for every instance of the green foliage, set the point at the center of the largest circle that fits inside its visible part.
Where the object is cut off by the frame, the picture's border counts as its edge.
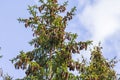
(99, 68)
(51, 58)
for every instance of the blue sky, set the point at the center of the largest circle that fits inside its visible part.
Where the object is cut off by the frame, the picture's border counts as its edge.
(97, 20)
(13, 36)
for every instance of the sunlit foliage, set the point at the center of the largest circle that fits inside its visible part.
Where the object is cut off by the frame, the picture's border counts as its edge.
(51, 58)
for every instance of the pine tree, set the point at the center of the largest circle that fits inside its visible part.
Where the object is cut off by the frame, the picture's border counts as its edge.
(51, 58)
(99, 68)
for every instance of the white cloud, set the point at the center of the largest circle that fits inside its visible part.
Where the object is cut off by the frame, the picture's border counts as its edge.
(101, 18)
